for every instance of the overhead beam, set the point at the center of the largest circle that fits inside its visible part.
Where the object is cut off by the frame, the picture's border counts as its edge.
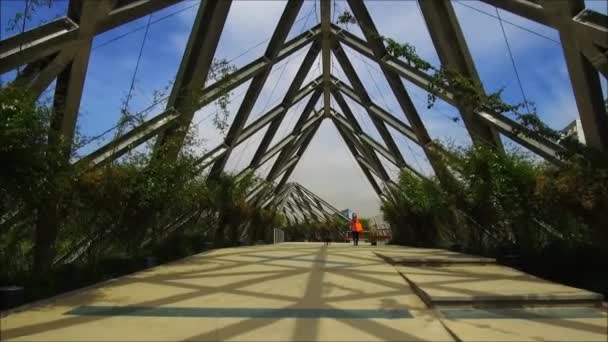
(303, 145)
(326, 51)
(398, 89)
(284, 143)
(587, 25)
(355, 153)
(259, 123)
(363, 149)
(289, 151)
(126, 142)
(50, 38)
(193, 72)
(301, 74)
(454, 54)
(377, 111)
(255, 87)
(584, 78)
(353, 78)
(536, 143)
(70, 81)
(372, 143)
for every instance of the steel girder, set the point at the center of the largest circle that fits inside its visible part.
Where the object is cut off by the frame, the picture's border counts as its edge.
(305, 67)
(584, 77)
(353, 150)
(255, 88)
(544, 147)
(192, 74)
(375, 43)
(353, 78)
(221, 150)
(326, 50)
(453, 53)
(72, 70)
(589, 29)
(50, 38)
(290, 150)
(372, 143)
(363, 149)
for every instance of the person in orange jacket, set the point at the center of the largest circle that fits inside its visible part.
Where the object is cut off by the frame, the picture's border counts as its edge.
(356, 228)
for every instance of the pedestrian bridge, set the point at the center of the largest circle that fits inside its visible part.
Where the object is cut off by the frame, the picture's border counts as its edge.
(313, 292)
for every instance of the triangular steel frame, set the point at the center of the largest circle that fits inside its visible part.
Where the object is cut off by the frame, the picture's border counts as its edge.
(60, 50)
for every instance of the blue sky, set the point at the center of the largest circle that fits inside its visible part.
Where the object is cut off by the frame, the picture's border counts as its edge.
(327, 167)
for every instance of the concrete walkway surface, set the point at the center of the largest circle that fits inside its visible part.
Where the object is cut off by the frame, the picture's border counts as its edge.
(311, 292)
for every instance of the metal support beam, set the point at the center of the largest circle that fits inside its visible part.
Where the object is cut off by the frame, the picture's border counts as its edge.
(290, 150)
(305, 67)
(589, 27)
(584, 77)
(545, 148)
(355, 154)
(70, 82)
(353, 78)
(303, 145)
(332, 208)
(257, 125)
(362, 148)
(367, 140)
(50, 38)
(405, 102)
(255, 88)
(118, 147)
(326, 51)
(377, 111)
(193, 70)
(453, 52)
(284, 144)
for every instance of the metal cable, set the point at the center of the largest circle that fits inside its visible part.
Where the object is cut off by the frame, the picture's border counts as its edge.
(521, 87)
(509, 22)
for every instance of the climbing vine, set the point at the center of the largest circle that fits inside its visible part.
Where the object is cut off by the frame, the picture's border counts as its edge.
(470, 94)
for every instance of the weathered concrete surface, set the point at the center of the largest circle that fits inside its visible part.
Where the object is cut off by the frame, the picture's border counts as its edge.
(414, 256)
(476, 284)
(299, 277)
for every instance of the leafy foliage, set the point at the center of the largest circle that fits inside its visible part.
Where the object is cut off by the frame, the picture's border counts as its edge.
(133, 207)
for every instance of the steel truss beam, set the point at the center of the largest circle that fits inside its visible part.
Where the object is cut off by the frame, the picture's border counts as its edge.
(547, 149)
(312, 205)
(366, 139)
(588, 28)
(332, 209)
(453, 52)
(221, 150)
(379, 51)
(290, 150)
(255, 88)
(355, 153)
(326, 51)
(295, 137)
(584, 78)
(50, 38)
(192, 74)
(301, 74)
(353, 78)
(72, 70)
(168, 118)
(364, 150)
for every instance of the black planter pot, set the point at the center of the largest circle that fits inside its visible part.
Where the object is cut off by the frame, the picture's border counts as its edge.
(11, 296)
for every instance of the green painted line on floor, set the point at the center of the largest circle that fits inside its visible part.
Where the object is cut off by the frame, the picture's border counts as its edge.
(527, 313)
(236, 312)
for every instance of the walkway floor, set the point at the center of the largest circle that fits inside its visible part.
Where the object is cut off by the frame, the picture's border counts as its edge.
(311, 292)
